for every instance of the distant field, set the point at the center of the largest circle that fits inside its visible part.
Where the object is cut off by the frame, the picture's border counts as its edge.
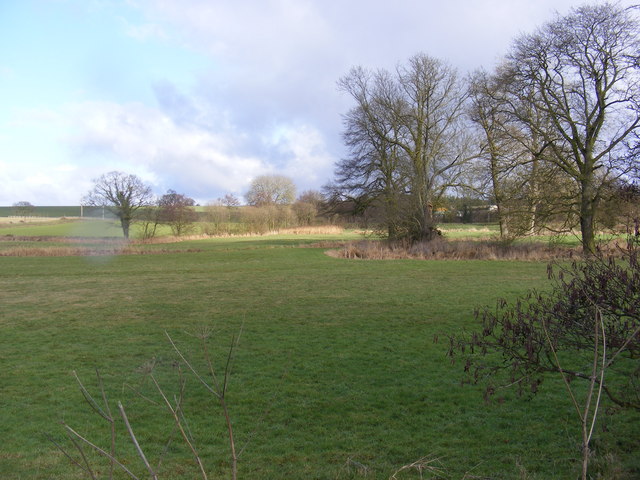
(55, 212)
(337, 374)
(60, 227)
(71, 226)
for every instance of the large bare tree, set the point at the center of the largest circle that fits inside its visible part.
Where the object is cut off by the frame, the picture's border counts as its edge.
(435, 136)
(530, 193)
(582, 71)
(407, 141)
(122, 194)
(496, 148)
(372, 174)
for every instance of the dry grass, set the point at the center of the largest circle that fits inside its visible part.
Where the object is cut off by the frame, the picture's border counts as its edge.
(28, 220)
(170, 239)
(449, 228)
(441, 249)
(83, 246)
(311, 230)
(327, 244)
(62, 251)
(56, 239)
(74, 247)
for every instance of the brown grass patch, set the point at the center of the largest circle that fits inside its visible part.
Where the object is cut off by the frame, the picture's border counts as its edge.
(470, 230)
(317, 230)
(61, 251)
(311, 230)
(76, 247)
(10, 221)
(51, 238)
(325, 244)
(441, 249)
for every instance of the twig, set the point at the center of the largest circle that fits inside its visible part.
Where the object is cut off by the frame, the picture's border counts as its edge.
(101, 451)
(188, 364)
(176, 417)
(68, 455)
(135, 441)
(89, 398)
(111, 421)
(561, 370)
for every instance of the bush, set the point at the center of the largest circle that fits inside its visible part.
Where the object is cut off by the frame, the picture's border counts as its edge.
(586, 328)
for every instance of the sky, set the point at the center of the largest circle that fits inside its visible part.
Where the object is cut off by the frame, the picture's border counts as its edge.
(202, 96)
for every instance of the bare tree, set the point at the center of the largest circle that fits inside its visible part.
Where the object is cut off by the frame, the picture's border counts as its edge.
(530, 193)
(582, 73)
(176, 210)
(313, 197)
(407, 140)
(496, 147)
(372, 176)
(23, 209)
(122, 194)
(435, 137)
(229, 200)
(271, 190)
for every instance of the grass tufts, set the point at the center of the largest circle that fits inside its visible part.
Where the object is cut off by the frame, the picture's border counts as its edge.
(441, 249)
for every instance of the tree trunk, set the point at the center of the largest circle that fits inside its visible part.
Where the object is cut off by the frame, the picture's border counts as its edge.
(533, 194)
(125, 223)
(499, 197)
(587, 215)
(427, 228)
(502, 221)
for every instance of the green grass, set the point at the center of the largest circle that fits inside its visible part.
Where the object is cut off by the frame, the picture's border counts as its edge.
(337, 361)
(53, 211)
(64, 228)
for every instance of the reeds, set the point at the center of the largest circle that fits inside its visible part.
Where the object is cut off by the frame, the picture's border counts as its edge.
(441, 249)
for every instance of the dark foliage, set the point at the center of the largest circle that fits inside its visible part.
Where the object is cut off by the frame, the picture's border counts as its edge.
(23, 209)
(176, 210)
(564, 320)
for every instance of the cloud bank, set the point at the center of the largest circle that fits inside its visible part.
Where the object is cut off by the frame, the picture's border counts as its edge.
(201, 96)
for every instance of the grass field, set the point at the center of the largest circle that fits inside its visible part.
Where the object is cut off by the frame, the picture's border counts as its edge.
(337, 374)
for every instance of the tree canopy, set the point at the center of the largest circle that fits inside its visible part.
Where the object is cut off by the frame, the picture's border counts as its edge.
(555, 124)
(407, 142)
(271, 190)
(123, 194)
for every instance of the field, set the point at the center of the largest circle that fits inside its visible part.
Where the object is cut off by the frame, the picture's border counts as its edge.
(340, 372)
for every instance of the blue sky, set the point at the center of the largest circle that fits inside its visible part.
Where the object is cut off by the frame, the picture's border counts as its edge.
(201, 96)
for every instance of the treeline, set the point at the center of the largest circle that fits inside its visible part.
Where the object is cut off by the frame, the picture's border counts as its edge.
(550, 137)
(220, 219)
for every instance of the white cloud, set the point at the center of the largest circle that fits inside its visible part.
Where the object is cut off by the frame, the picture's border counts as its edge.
(50, 185)
(191, 158)
(305, 155)
(264, 99)
(148, 142)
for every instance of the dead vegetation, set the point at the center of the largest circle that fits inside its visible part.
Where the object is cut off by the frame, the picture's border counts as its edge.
(442, 249)
(28, 220)
(41, 246)
(312, 230)
(29, 246)
(62, 251)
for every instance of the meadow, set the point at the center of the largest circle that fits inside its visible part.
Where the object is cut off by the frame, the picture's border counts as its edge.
(340, 371)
